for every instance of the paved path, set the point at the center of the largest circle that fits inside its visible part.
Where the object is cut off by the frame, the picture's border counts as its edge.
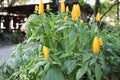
(6, 50)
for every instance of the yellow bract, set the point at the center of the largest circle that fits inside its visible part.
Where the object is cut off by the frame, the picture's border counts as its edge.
(67, 9)
(62, 6)
(20, 69)
(41, 7)
(65, 18)
(81, 21)
(36, 8)
(76, 12)
(30, 21)
(45, 52)
(96, 44)
(98, 17)
(48, 7)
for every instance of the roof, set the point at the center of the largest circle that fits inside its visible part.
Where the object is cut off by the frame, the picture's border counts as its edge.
(24, 9)
(29, 9)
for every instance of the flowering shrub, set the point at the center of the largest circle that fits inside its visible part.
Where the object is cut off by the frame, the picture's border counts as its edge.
(63, 47)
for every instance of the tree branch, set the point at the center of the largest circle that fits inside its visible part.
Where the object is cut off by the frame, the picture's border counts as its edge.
(118, 16)
(109, 9)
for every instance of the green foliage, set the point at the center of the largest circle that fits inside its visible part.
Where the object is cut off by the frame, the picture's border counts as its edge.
(11, 37)
(54, 74)
(82, 71)
(70, 49)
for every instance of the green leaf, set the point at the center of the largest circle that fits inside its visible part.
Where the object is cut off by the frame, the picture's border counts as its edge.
(90, 75)
(69, 47)
(102, 61)
(47, 30)
(41, 73)
(94, 28)
(62, 27)
(36, 67)
(70, 44)
(98, 72)
(69, 23)
(35, 21)
(92, 61)
(57, 61)
(52, 44)
(70, 65)
(51, 24)
(86, 57)
(54, 74)
(47, 66)
(60, 21)
(82, 71)
(72, 37)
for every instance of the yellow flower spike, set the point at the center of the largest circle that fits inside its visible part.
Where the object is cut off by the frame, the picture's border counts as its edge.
(78, 10)
(36, 8)
(98, 17)
(81, 21)
(41, 7)
(45, 52)
(43, 49)
(101, 42)
(48, 7)
(30, 21)
(65, 18)
(67, 9)
(21, 69)
(62, 6)
(74, 12)
(96, 45)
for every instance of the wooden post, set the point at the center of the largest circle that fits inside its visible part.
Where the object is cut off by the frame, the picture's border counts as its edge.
(55, 1)
(56, 4)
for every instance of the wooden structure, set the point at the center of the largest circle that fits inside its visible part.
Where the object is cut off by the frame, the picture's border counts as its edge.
(11, 18)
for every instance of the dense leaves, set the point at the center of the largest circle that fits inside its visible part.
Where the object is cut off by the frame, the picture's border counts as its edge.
(69, 44)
